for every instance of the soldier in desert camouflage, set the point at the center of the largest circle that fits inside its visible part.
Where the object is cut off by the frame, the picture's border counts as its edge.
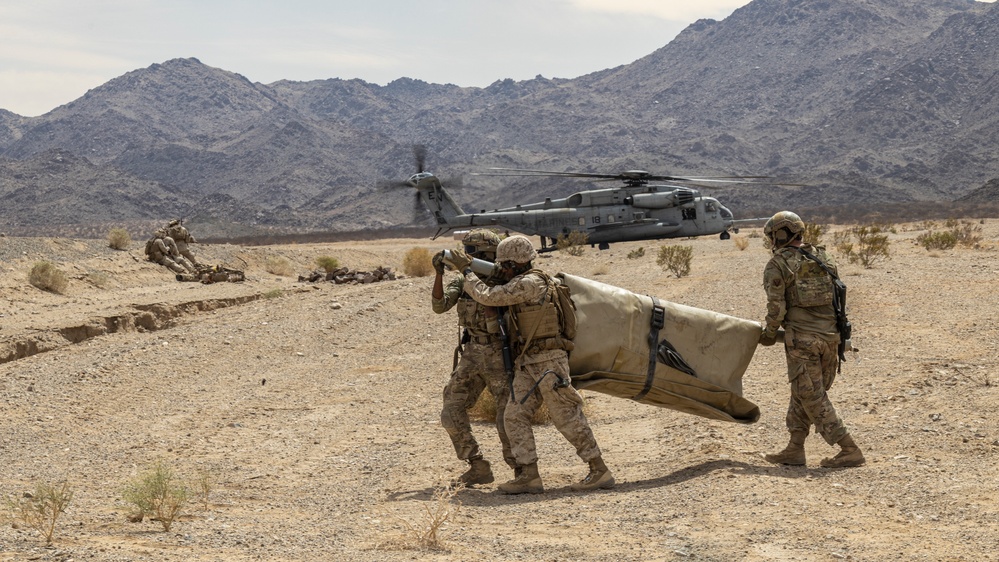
(182, 237)
(800, 298)
(162, 249)
(480, 365)
(541, 367)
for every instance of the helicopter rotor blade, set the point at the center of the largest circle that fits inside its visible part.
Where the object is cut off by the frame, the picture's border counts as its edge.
(639, 175)
(420, 155)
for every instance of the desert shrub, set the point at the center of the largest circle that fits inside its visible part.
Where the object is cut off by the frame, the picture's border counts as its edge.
(636, 253)
(601, 269)
(327, 263)
(273, 294)
(203, 485)
(937, 240)
(484, 410)
(741, 242)
(48, 277)
(572, 243)
(427, 533)
(675, 259)
(966, 232)
(119, 239)
(158, 494)
(866, 244)
(278, 265)
(813, 234)
(418, 262)
(40, 510)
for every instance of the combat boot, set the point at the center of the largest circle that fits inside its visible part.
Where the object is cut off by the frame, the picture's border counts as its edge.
(793, 454)
(527, 482)
(478, 472)
(599, 477)
(848, 456)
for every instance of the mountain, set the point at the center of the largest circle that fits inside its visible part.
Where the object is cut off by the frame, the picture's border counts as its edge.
(879, 101)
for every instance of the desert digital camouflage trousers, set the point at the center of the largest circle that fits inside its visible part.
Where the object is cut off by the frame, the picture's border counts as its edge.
(811, 369)
(565, 406)
(480, 367)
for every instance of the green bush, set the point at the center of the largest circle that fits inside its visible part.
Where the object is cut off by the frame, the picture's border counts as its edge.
(48, 277)
(327, 263)
(865, 244)
(937, 240)
(157, 494)
(417, 262)
(41, 509)
(572, 243)
(119, 239)
(813, 234)
(635, 254)
(675, 259)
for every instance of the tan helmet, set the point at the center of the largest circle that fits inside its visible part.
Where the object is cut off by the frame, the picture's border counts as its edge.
(517, 248)
(481, 241)
(782, 228)
(174, 222)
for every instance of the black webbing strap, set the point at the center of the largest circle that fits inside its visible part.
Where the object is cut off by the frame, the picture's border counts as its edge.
(657, 323)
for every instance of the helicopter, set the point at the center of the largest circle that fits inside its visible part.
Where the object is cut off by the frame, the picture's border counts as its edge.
(637, 210)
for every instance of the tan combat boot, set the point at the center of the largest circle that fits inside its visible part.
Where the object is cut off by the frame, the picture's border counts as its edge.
(849, 455)
(478, 472)
(527, 482)
(599, 477)
(793, 454)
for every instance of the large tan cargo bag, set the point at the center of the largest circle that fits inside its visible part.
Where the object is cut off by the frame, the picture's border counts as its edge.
(697, 371)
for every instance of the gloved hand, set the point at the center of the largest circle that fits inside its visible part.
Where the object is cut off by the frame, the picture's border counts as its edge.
(768, 339)
(459, 260)
(438, 261)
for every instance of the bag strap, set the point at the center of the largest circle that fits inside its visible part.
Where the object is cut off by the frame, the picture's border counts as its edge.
(656, 324)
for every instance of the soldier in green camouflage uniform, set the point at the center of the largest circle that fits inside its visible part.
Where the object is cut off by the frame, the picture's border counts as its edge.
(800, 298)
(480, 365)
(541, 368)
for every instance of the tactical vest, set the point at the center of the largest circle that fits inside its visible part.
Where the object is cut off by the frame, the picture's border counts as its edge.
(477, 318)
(811, 285)
(537, 326)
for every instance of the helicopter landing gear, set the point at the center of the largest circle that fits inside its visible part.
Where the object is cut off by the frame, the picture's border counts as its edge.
(604, 246)
(725, 235)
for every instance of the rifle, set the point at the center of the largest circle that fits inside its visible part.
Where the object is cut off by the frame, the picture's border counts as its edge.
(507, 352)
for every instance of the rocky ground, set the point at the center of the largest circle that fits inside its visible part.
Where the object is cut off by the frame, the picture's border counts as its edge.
(313, 409)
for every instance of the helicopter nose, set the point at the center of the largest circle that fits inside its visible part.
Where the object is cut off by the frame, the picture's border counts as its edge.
(725, 213)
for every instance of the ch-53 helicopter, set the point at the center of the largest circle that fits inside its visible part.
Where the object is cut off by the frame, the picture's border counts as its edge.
(637, 210)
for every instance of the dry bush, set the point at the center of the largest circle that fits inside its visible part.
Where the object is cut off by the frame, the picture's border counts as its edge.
(601, 269)
(418, 262)
(203, 485)
(572, 243)
(676, 259)
(637, 253)
(48, 277)
(327, 263)
(427, 533)
(967, 233)
(158, 494)
(40, 510)
(937, 240)
(484, 410)
(119, 239)
(278, 265)
(741, 242)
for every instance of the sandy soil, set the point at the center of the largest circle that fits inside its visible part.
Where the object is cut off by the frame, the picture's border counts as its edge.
(317, 415)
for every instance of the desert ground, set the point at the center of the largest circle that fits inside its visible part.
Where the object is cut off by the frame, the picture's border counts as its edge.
(314, 410)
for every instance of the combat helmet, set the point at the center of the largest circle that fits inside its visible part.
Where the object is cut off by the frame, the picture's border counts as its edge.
(782, 228)
(174, 222)
(517, 248)
(481, 243)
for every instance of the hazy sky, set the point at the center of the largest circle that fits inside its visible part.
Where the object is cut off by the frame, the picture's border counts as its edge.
(53, 51)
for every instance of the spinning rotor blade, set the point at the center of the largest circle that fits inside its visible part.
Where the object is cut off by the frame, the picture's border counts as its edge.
(420, 155)
(635, 176)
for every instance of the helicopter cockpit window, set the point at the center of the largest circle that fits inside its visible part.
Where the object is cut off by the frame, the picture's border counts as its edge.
(689, 214)
(710, 207)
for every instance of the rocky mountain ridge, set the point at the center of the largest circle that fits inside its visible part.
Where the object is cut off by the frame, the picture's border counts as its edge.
(880, 101)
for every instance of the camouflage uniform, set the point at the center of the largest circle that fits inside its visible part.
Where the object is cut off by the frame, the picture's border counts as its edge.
(565, 405)
(163, 250)
(182, 237)
(480, 367)
(799, 298)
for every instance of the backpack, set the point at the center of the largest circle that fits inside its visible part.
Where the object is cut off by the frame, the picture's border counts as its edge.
(566, 309)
